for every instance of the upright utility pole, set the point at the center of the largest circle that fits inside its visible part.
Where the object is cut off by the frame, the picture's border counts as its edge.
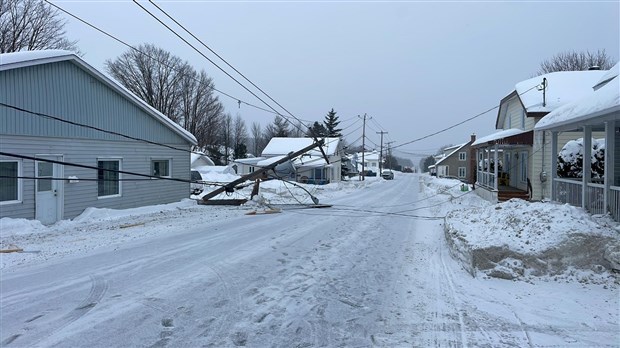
(363, 146)
(381, 152)
(389, 153)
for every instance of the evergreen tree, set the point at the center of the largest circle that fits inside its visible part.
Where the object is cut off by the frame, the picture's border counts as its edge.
(278, 128)
(317, 130)
(241, 151)
(331, 123)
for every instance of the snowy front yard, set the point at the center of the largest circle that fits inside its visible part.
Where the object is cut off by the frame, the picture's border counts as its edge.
(373, 270)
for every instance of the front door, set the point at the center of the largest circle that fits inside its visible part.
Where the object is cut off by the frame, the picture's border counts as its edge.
(49, 192)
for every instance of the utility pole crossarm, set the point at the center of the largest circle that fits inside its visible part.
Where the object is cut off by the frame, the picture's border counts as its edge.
(230, 186)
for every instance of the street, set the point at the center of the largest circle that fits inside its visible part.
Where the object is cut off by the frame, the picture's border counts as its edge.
(355, 275)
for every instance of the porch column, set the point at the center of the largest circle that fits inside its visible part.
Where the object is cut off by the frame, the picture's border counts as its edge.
(554, 163)
(587, 165)
(496, 165)
(477, 163)
(609, 174)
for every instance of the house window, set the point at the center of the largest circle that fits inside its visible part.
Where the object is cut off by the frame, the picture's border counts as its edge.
(522, 119)
(10, 185)
(373, 164)
(462, 156)
(160, 168)
(251, 170)
(462, 172)
(108, 178)
(523, 165)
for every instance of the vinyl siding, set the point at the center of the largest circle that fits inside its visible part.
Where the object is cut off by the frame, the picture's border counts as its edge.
(135, 157)
(513, 115)
(66, 91)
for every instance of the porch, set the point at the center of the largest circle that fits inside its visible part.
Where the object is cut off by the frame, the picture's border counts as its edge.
(596, 116)
(502, 165)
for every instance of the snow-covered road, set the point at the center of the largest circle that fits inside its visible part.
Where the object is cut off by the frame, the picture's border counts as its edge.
(343, 276)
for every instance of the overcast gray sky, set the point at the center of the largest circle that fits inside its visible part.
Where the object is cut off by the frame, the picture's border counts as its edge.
(414, 67)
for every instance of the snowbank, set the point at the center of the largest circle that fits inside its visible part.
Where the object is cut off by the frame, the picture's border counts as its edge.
(520, 239)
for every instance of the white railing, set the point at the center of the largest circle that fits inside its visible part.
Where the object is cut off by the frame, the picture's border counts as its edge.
(486, 179)
(595, 199)
(567, 191)
(613, 198)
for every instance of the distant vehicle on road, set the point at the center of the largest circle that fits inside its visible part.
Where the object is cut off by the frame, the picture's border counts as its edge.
(387, 174)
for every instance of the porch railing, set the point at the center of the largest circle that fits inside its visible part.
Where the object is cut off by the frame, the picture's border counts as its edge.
(567, 191)
(613, 199)
(486, 179)
(595, 202)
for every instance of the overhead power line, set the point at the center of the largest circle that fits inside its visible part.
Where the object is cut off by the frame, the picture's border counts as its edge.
(155, 59)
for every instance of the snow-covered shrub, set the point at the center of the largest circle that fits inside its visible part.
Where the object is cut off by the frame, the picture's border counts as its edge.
(570, 159)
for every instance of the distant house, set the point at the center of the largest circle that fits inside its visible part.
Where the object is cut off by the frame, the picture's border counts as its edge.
(455, 162)
(200, 162)
(244, 166)
(310, 167)
(370, 160)
(510, 161)
(62, 85)
(596, 115)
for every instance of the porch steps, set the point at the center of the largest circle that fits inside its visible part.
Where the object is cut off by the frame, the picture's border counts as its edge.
(504, 196)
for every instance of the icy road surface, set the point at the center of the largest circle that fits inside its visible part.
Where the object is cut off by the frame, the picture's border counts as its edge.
(339, 277)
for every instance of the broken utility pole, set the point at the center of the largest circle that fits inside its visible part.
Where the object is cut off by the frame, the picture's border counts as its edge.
(259, 173)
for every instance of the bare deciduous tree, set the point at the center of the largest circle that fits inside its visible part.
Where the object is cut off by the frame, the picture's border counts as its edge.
(154, 75)
(257, 138)
(576, 61)
(200, 111)
(27, 25)
(279, 128)
(240, 131)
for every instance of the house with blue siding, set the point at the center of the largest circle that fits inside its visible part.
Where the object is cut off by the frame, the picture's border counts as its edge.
(52, 168)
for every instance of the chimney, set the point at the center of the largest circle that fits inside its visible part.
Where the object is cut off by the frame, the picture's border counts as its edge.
(473, 138)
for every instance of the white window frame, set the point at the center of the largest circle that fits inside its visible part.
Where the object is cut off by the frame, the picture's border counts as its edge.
(523, 157)
(20, 187)
(463, 156)
(169, 160)
(462, 172)
(120, 176)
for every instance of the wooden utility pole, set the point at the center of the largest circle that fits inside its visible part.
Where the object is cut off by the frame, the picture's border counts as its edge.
(257, 174)
(363, 147)
(381, 153)
(389, 154)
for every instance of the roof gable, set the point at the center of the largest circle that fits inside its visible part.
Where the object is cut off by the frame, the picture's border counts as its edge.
(562, 87)
(16, 60)
(282, 146)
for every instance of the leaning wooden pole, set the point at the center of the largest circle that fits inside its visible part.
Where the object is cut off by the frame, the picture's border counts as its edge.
(257, 174)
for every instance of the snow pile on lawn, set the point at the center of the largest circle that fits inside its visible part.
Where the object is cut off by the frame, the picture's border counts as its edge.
(520, 239)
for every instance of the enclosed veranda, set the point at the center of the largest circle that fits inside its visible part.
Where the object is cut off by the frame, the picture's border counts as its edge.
(502, 165)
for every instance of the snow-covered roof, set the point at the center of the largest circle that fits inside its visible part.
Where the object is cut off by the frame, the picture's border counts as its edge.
(604, 101)
(456, 149)
(498, 135)
(282, 146)
(611, 73)
(250, 161)
(198, 159)
(267, 161)
(17, 60)
(368, 156)
(562, 87)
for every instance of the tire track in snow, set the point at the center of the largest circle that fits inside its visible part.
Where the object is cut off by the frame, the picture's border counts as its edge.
(46, 329)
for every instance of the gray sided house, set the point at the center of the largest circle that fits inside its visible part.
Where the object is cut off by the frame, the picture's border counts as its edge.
(60, 84)
(455, 162)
